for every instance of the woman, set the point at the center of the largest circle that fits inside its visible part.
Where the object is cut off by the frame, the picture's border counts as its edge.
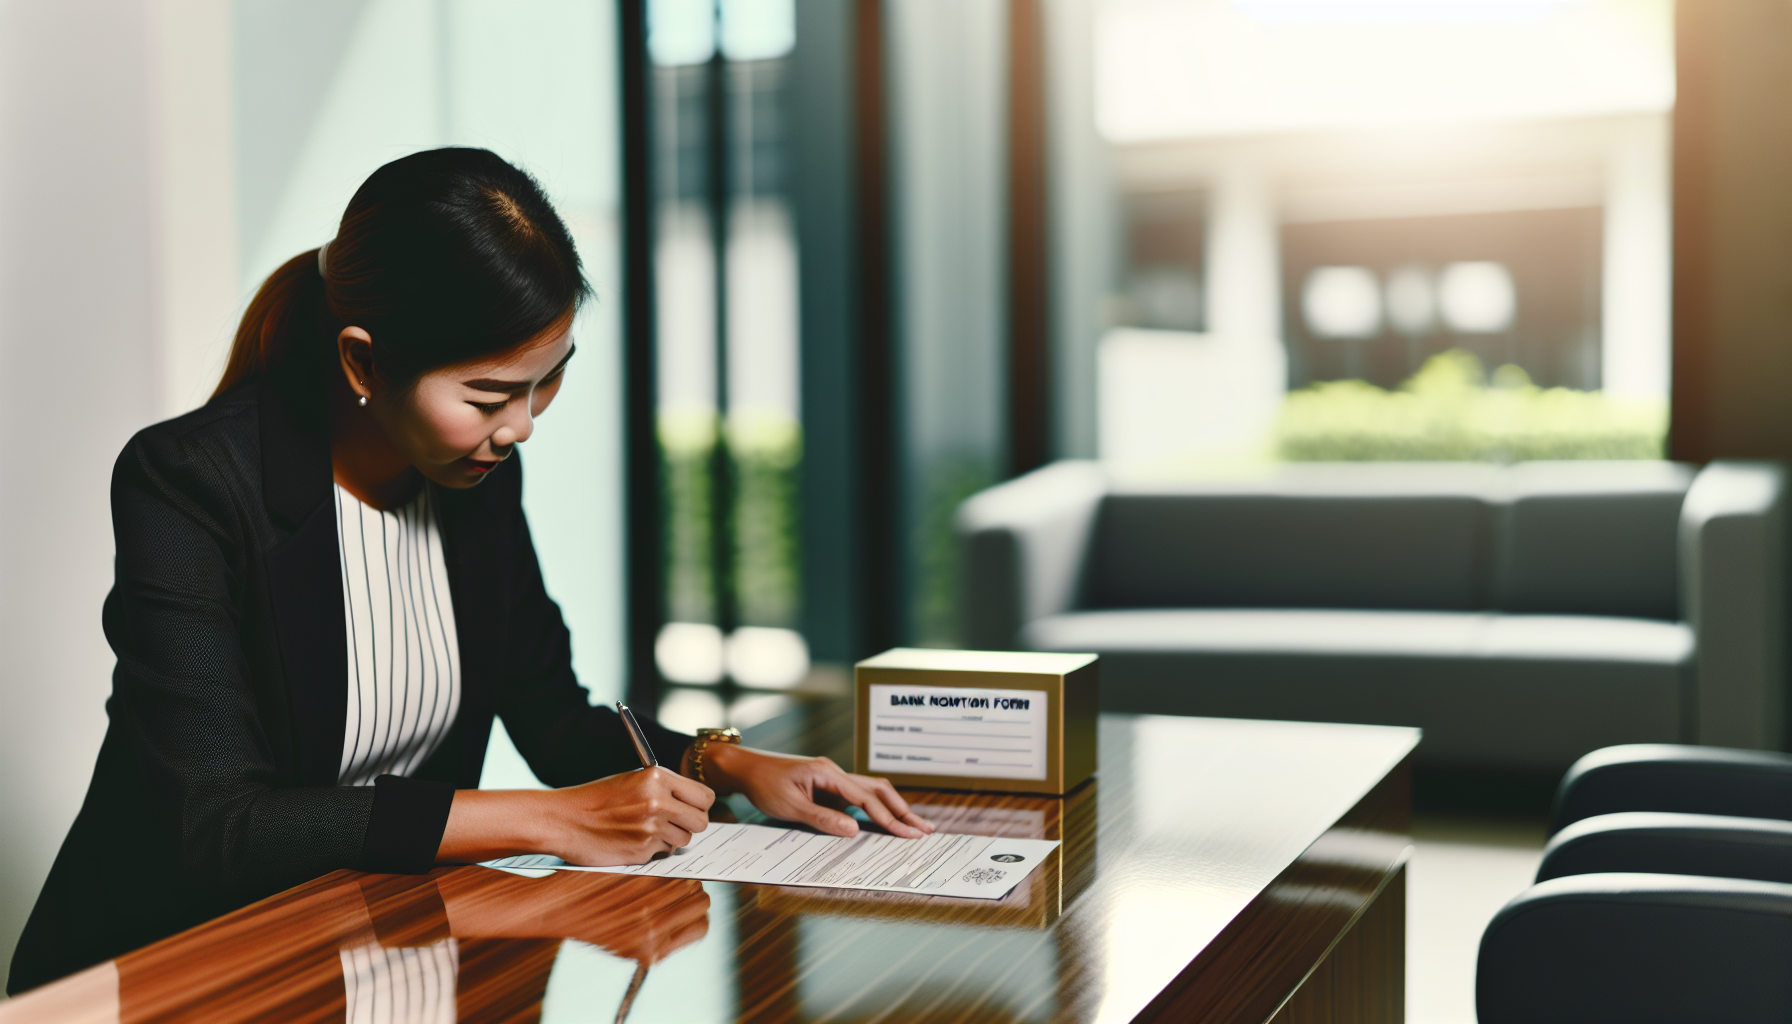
(325, 590)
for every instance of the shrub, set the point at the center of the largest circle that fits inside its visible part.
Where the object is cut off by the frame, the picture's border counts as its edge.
(1449, 410)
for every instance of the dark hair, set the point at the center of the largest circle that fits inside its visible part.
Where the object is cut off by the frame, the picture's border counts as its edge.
(442, 256)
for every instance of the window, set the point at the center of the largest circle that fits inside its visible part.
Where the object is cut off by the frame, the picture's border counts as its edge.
(728, 410)
(1333, 207)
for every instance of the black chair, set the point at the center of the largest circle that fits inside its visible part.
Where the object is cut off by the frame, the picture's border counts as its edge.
(1665, 895)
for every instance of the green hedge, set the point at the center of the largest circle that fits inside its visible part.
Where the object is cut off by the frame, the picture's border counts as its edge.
(1449, 410)
(763, 456)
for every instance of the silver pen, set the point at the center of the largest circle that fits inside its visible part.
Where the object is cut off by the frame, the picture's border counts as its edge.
(637, 737)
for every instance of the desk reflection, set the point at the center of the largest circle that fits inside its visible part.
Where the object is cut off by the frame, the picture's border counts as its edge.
(456, 945)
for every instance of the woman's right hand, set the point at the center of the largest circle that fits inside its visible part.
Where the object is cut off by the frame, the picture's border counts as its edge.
(622, 819)
(629, 818)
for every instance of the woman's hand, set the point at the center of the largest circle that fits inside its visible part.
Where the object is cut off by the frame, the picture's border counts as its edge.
(628, 818)
(807, 789)
(622, 819)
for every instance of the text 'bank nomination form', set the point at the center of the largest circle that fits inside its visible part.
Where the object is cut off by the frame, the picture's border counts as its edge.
(971, 733)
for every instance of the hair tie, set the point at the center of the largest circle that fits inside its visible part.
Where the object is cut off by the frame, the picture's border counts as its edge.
(323, 267)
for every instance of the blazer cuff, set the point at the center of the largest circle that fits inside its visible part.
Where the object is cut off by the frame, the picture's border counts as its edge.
(406, 826)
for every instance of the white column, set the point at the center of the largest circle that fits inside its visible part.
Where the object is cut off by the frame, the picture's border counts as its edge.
(1638, 264)
(1084, 223)
(1243, 265)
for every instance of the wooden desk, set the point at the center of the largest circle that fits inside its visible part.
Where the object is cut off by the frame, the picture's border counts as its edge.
(1217, 871)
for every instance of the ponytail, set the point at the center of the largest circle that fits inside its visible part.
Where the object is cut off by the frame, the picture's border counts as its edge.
(285, 309)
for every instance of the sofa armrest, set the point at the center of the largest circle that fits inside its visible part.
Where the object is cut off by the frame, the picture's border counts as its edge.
(1638, 949)
(1671, 844)
(1675, 778)
(1732, 590)
(1023, 544)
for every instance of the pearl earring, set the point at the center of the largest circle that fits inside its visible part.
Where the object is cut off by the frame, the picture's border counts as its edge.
(362, 401)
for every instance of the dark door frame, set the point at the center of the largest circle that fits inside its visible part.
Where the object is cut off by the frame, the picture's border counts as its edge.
(851, 467)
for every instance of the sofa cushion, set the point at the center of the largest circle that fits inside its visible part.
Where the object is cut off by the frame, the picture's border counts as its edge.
(1490, 690)
(1316, 536)
(1592, 538)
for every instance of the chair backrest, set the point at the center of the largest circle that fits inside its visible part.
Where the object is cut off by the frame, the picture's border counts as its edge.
(1571, 538)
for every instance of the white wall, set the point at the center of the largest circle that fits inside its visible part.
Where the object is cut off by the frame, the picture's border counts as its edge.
(79, 325)
(200, 297)
(157, 159)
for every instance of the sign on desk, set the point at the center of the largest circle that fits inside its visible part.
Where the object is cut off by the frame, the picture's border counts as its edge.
(963, 732)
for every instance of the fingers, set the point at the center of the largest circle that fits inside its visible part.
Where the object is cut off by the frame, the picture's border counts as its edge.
(671, 809)
(821, 818)
(674, 836)
(683, 819)
(893, 800)
(689, 791)
(675, 800)
(854, 788)
(682, 826)
(919, 822)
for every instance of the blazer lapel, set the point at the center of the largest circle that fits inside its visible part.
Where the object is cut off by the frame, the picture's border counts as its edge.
(305, 580)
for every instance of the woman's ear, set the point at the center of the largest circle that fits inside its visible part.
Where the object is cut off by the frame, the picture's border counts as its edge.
(354, 348)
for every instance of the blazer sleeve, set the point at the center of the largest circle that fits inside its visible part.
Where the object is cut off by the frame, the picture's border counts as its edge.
(549, 716)
(183, 699)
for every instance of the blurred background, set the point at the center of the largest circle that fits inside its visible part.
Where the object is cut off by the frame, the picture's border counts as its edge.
(857, 259)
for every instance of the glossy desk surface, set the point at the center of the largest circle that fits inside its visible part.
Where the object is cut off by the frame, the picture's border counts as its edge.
(1202, 876)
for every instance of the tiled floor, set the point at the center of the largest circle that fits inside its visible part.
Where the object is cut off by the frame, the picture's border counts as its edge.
(1463, 870)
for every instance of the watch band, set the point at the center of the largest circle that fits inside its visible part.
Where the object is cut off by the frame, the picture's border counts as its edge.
(701, 744)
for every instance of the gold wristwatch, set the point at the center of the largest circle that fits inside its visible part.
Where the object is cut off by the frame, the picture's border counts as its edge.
(701, 744)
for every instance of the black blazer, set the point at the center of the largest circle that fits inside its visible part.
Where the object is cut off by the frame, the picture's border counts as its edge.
(216, 782)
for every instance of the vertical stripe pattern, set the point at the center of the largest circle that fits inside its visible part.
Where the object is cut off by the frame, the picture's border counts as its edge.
(403, 653)
(401, 985)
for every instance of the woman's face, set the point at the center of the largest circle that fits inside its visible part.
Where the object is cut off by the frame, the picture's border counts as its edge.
(457, 423)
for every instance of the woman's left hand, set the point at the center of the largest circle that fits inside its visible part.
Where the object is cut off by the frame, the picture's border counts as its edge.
(809, 790)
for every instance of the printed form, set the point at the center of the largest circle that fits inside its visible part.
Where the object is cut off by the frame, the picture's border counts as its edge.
(966, 732)
(979, 867)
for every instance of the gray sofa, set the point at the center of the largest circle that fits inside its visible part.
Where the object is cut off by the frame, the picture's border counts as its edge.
(1521, 615)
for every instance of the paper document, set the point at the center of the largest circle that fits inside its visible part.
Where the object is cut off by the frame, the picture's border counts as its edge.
(980, 867)
(960, 731)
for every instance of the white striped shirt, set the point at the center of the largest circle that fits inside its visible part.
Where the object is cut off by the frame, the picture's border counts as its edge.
(403, 653)
(402, 985)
